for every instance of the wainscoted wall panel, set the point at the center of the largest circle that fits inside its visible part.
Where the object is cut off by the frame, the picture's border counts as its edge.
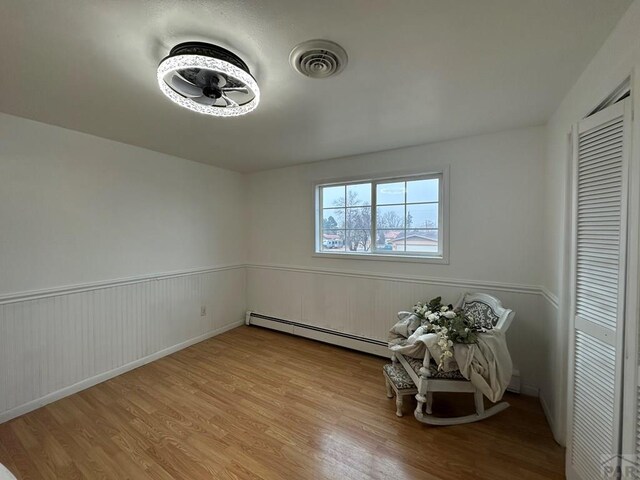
(551, 381)
(51, 346)
(366, 304)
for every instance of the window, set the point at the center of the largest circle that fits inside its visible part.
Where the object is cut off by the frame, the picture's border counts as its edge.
(389, 217)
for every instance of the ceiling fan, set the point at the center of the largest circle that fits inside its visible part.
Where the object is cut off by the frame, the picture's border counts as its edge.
(208, 79)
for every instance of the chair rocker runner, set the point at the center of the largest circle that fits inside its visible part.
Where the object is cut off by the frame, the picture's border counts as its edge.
(483, 309)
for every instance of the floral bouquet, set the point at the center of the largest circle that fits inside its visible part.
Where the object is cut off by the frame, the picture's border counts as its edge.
(451, 325)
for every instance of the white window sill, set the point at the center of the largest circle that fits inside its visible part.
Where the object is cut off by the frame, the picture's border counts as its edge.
(383, 257)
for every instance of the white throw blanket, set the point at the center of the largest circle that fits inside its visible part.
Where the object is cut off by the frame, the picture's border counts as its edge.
(5, 474)
(487, 364)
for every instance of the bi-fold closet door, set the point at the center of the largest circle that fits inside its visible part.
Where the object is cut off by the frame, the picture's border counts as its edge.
(601, 150)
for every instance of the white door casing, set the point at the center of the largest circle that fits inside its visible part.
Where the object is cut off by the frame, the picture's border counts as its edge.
(631, 389)
(601, 146)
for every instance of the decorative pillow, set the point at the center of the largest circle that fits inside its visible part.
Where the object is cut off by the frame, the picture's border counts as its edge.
(481, 314)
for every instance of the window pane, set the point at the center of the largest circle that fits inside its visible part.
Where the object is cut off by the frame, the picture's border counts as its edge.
(333, 218)
(333, 240)
(333, 196)
(399, 247)
(390, 217)
(386, 240)
(358, 240)
(359, 217)
(359, 194)
(425, 241)
(406, 211)
(422, 215)
(423, 190)
(388, 193)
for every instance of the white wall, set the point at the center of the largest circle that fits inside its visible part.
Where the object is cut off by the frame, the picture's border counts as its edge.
(615, 61)
(496, 186)
(89, 230)
(75, 208)
(496, 242)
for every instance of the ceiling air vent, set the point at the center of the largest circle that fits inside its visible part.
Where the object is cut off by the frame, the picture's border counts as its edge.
(318, 58)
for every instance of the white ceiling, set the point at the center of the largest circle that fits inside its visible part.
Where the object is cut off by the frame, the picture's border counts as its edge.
(419, 70)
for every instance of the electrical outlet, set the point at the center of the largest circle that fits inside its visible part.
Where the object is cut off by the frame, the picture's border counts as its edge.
(203, 310)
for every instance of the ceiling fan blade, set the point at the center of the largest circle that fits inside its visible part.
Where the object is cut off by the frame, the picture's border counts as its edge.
(230, 103)
(236, 89)
(207, 77)
(204, 100)
(185, 88)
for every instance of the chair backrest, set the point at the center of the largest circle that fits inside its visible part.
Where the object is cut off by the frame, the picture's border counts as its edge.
(486, 311)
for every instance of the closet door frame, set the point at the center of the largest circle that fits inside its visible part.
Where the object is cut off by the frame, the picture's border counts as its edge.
(630, 298)
(631, 391)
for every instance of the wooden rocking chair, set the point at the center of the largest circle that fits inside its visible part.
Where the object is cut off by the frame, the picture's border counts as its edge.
(483, 309)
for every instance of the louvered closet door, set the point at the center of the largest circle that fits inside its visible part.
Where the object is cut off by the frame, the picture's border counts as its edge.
(600, 213)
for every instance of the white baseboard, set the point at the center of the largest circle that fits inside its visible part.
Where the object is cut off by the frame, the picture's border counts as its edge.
(515, 384)
(551, 420)
(381, 351)
(91, 381)
(530, 390)
(354, 343)
(547, 412)
(341, 339)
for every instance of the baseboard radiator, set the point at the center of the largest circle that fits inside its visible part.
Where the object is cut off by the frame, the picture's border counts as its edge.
(354, 342)
(342, 339)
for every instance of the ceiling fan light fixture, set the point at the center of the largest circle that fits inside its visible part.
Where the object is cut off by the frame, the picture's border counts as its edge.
(208, 79)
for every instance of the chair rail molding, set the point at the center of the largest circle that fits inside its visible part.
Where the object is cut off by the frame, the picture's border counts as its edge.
(550, 297)
(427, 280)
(24, 296)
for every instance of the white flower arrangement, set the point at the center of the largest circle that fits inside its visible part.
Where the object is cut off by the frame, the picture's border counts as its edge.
(451, 326)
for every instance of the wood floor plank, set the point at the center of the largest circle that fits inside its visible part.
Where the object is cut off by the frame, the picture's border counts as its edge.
(261, 405)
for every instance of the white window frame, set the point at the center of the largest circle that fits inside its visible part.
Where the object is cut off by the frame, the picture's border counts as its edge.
(442, 257)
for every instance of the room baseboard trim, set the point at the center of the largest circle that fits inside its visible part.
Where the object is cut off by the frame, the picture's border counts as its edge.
(550, 418)
(447, 282)
(91, 381)
(333, 337)
(530, 391)
(354, 342)
(515, 385)
(86, 287)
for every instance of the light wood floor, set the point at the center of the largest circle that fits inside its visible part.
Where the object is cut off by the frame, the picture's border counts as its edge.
(257, 404)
